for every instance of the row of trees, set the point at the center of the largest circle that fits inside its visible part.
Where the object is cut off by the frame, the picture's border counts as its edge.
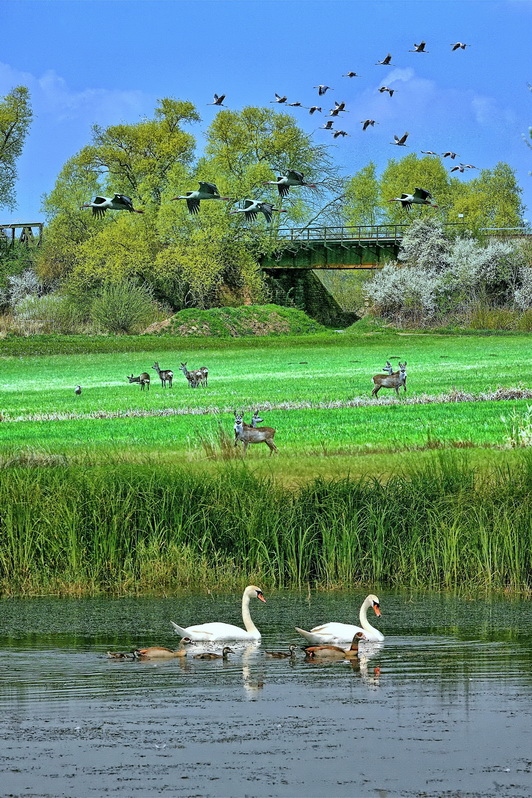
(212, 258)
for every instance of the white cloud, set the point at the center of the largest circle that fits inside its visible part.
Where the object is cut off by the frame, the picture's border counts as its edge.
(51, 96)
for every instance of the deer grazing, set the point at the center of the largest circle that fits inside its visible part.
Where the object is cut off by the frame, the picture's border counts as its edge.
(165, 375)
(254, 421)
(393, 380)
(248, 434)
(143, 379)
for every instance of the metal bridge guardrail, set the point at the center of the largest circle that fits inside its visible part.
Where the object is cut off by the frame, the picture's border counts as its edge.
(385, 232)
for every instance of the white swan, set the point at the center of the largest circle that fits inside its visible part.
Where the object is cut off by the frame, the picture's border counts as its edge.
(336, 633)
(226, 631)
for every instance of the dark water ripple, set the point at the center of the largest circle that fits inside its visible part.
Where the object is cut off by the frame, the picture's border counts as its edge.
(442, 708)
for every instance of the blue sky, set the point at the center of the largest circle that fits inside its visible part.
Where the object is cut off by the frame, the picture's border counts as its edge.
(90, 62)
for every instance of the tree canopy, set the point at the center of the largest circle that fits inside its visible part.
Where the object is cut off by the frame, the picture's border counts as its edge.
(211, 257)
(15, 119)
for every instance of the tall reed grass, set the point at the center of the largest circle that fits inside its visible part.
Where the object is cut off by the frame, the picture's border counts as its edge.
(70, 529)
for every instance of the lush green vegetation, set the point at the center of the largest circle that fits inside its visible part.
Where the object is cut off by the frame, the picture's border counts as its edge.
(127, 490)
(308, 384)
(146, 529)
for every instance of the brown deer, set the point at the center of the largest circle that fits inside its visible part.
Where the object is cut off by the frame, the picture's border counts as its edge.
(192, 376)
(393, 380)
(143, 379)
(204, 372)
(254, 421)
(250, 434)
(165, 375)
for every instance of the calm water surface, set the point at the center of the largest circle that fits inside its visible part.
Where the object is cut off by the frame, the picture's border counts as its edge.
(441, 708)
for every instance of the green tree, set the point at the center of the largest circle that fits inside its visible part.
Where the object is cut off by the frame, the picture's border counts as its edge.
(403, 176)
(15, 119)
(361, 204)
(140, 160)
(493, 199)
(246, 149)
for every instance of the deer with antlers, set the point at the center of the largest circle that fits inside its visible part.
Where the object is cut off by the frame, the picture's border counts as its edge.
(393, 380)
(248, 434)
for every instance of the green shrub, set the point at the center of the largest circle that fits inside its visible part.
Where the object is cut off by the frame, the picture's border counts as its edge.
(124, 307)
(49, 313)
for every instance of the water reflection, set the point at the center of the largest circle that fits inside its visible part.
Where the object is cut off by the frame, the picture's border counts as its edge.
(450, 671)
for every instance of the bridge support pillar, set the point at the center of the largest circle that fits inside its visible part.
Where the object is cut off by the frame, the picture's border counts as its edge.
(301, 287)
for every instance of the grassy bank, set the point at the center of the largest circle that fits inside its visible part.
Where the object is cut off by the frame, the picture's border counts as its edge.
(158, 529)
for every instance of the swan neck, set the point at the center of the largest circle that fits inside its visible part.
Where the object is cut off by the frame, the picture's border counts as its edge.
(364, 623)
(246, 617)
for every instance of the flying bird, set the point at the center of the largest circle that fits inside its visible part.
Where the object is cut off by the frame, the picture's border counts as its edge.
(338, 107)
(385, 88)
(429, 152)
(385, 61)
(253, 207)
(420, 197)
(419, 48)
(339, 133)
(450, 154)
(459, 45)
(292, 178)
(279, 99)
(218, 100)
(297, 105)
(314, 108)
(206, 191)
(351, 75)
(468, 166)
(401, 142)
(367, 122)
(459, 168)
(118, 202)
(322, 89)
(328, 125)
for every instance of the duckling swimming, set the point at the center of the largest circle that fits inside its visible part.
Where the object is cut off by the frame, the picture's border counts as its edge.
(282, 654)
(210, 655)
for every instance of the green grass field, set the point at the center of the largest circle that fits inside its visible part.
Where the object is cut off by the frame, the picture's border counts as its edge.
(290, 381)
(124, 491)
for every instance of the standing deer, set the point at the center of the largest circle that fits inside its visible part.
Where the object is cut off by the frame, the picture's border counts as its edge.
(165, 375)
(192, 376)
(394, 380)
(204, 371)
(143, 379)
(388, 368)
(248, 434)
(254, 421)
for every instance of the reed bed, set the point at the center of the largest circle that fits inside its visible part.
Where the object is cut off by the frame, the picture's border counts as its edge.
(157, 529)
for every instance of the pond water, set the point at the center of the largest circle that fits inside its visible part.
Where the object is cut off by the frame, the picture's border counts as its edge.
(441, 708)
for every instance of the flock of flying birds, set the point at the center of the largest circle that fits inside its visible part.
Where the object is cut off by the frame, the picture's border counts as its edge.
(252, 207)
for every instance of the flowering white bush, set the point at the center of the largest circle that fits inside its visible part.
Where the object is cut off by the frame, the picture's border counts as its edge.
(406, 290)
(523, 294)
(22, 285)
(424, 245)
(442, 276)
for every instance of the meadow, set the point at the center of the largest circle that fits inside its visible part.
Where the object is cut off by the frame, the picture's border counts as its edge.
(127, 491)
(305, 388)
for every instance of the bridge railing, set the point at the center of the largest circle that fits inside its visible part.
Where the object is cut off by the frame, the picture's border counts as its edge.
(358, 232)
